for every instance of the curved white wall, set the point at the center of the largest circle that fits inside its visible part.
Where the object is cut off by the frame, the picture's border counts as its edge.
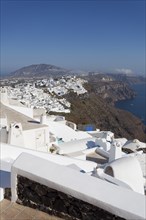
(128, 170)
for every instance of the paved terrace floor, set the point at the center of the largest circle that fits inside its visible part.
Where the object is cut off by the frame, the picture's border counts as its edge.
(14, 211)
(14, 116)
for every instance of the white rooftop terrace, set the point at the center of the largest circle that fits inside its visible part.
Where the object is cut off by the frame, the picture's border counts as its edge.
(10, 153)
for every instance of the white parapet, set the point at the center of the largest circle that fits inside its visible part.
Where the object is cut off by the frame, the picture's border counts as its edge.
(114, 199)
(1, 194)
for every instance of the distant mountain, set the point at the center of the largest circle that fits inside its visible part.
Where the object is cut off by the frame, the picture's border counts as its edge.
(39, 70)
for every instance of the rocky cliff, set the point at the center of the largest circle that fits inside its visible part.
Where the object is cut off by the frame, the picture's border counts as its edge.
(91, 108)
(110, 90)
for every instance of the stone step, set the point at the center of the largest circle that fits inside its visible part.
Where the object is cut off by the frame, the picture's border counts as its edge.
(14, 211)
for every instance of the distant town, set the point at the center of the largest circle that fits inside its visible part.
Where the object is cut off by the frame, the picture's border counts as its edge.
(46, 93)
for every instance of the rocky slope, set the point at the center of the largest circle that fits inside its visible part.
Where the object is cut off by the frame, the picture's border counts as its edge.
(92, 109)
(111, 90)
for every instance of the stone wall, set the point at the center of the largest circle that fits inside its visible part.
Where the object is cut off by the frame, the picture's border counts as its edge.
(53, 202)
(7, 193)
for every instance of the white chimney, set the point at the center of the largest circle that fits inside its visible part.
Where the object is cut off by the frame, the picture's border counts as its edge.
(115, 151)
(4, 96)
(43, 119)
(15, 136)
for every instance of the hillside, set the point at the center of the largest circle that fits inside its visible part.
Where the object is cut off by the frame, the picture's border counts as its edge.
(38, 70)
(92, 109)
(111, 91)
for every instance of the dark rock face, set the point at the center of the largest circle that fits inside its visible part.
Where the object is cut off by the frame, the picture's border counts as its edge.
(7, 194)
(53, 202)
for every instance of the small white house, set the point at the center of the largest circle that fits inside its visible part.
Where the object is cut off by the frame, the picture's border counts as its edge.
(23, 131)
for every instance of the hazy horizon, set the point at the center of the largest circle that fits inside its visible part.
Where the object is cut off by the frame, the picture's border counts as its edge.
(104, 36)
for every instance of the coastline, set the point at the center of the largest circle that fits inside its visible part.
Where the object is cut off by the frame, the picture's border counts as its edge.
(136, 105)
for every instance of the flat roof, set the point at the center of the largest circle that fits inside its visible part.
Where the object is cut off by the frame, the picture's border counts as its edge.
(14, 116)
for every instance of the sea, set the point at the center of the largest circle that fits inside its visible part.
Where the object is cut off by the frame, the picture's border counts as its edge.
(137, 105)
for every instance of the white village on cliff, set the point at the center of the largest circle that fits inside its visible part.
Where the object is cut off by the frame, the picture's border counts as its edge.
(90, 168)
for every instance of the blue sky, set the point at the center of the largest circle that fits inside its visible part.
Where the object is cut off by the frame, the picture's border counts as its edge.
(107, 36)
